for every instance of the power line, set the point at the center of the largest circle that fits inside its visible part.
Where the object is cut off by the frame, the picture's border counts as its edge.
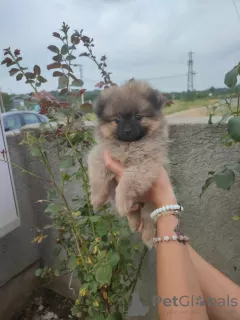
(150, 79)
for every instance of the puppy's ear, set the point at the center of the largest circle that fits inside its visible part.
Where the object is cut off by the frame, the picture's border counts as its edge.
(157, 99)
(99, 106)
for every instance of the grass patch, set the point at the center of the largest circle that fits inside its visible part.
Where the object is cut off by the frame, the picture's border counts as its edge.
(178, 105)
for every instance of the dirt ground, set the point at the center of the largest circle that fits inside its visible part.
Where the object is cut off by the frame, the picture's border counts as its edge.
(45, 304)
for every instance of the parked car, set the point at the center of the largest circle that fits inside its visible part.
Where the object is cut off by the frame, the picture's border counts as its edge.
(15, 120)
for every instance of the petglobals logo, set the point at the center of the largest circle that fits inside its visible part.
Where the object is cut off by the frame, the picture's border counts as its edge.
(187, 301)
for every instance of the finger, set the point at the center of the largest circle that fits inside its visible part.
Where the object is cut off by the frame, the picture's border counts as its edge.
(112, 165)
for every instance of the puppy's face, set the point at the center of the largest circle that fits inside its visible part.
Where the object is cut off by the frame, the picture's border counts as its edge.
(130, 112)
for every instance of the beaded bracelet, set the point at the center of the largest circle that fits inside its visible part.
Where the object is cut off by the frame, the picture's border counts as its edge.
(166, 210)
(180, 238)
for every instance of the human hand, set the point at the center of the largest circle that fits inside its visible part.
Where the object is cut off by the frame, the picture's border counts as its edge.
(161, 192)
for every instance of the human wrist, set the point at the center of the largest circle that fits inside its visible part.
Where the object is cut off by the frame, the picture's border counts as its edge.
(166, 225)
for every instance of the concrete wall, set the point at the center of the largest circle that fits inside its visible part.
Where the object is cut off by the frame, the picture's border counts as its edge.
(195, 149)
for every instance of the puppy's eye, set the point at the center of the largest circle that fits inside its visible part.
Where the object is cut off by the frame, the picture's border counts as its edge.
(117, 120)
(138, 117)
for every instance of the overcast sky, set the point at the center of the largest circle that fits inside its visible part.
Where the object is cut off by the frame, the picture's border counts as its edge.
(142, 39)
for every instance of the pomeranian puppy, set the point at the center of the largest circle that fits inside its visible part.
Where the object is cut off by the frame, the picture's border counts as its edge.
(131, 126)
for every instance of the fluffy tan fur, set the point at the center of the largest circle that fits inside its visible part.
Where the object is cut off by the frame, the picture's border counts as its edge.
(142, 159)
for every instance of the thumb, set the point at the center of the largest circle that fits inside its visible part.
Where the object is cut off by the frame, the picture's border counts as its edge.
(114, 166)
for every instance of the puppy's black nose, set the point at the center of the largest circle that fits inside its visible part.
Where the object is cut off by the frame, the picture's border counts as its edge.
(127, 131)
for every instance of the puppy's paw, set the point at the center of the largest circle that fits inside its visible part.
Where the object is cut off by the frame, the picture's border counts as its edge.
(97, 201)
(123, 204)
(134, 220)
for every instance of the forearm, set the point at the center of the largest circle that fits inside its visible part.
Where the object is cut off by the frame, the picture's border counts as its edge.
(222, 295)
(176, 277)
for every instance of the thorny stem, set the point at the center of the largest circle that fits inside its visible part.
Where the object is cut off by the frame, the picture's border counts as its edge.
(45, 160)
(84, 183)
(26, 171)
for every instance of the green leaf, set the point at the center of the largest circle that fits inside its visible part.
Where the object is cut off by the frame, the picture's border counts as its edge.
(95, 218)
(102, 227)
(112, 258)
(30, 75)
(37, 70)
(13, 71)
(77, 83)
(101, 317)
(38, 272)
(41, 79)
(231, 77)
(235, 218)
(58, 58)
(82, 221)
(70, 57)
(62, 82)
(19, 77)
(115, 316)
(64, 49)
(52, 208)
(51, 194)
(234, 128)
(53, 49)
(207, 183)
(103, 274)
(225, 180)
(67, 163)
(72, 262)
(66, 177)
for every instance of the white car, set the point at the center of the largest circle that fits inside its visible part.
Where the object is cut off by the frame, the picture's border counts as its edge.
(15, 120)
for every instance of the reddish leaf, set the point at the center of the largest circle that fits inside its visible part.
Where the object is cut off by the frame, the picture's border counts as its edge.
(53, 49)
(84, 54)
(82, 91)
(54, 65)
(99, 84)
(19, 76)
(37, 70)
(65, 66)
(63, 91)
(57, 74)
(17, 52)
(75, 39)
(13, 71)
(57, 58)
(6, 60)
(30, 75)
(56, 34)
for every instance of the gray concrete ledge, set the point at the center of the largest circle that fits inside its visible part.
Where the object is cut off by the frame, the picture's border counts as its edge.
(15, 293)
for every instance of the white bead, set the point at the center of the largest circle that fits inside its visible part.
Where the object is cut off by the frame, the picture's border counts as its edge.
(159, 210)
(163, 209)
(171, 207)
(181, 238)
(167, 208)
(166, 238)
(174, 237)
